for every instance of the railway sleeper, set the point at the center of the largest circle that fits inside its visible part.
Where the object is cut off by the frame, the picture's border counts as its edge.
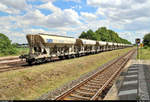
(70, 98)
(93, 84)
(85, 93)
(80, 97)
(87, 89)
(96, 82)
(107, 76)
(98, 79)
(102, 77)
(91, 87)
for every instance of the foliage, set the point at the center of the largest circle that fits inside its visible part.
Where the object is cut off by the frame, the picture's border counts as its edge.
(146, 40)
(144, 53)
(103, 34)
(88, 35)
(145, 47)
(6, 48)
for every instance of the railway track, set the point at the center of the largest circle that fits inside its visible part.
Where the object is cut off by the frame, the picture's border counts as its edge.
(95, 86)
(9, 64)
(9, 58)
(14, 63)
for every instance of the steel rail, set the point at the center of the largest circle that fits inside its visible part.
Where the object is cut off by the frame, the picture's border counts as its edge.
(66, 93)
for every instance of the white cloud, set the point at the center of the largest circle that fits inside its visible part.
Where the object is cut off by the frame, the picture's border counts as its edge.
(4, 8)
(13, 6)
(16, 4)
(125, 14)
(67, 17)
(88, 16)
(59, 21)
(49, 6)
(131, 36)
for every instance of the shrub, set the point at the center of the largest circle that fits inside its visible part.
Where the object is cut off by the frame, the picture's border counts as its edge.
(6, 48)
(146, 40)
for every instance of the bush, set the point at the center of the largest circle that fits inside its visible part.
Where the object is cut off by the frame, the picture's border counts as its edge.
(6, 48)
(145, 47)
(146, 40)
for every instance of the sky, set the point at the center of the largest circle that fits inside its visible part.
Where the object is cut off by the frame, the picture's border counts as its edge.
(129, 18)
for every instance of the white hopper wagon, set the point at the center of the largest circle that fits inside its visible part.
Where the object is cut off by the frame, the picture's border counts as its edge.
(88, 45)
(43, 47)
(88, 42)
(46, 46)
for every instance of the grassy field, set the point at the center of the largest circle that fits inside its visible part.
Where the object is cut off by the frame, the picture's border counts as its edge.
(32, 82)
(20, 51)
(144, 53)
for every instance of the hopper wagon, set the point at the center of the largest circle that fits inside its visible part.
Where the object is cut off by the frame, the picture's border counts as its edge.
(44, 47)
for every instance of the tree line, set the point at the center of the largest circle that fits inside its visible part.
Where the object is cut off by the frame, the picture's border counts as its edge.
(103, 34)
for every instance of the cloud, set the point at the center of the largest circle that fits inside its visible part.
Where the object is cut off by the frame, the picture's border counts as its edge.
(125, 13)
(59, 21)
(4, 8)
(78, 1)
(130, 17)
(13, 6)
(131, 36)
(16, 4)
(67, 17)
(88, 16)
(50, 6)
(58, 18)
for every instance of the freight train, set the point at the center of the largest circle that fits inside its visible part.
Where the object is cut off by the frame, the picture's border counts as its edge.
(44, 47)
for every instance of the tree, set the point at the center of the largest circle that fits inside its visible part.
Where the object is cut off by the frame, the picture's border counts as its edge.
(146, 40)
(88, 35)
(103, 34)
(6, 47)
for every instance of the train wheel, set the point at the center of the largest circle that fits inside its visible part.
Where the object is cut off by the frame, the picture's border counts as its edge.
(69, 56)
(77, 55)
(73, 56)
(30, 62)
(61, 57)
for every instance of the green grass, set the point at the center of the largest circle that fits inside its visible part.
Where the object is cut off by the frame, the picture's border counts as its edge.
(144, 53)
(20, 51)
(31, 83)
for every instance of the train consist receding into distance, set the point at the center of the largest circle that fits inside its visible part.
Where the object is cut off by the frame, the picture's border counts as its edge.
(44, 47)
